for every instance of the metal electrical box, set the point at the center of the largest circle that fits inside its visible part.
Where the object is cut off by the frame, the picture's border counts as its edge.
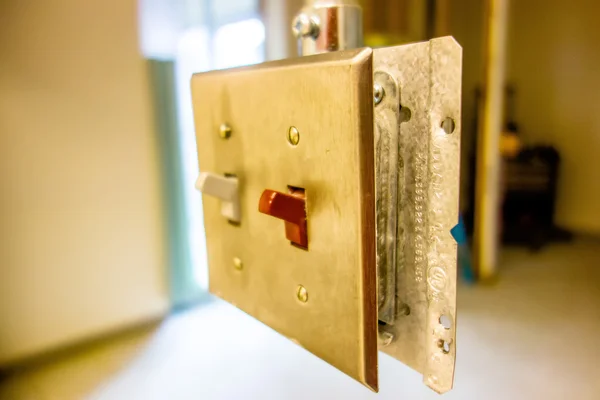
(330, 185)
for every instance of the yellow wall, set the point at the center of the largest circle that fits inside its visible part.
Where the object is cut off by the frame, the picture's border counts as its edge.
(81, 239)
(554, 59)
(466, 24)
(278, 16)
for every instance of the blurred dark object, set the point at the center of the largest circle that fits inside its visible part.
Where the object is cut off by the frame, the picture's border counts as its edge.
(528, 185)
(471, 154)
(530, 181)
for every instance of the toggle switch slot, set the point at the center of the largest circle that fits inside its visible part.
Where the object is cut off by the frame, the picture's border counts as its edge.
(301, 193)
(231, 221)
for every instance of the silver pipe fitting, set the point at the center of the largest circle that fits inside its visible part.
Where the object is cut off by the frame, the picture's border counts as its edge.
(328, 25)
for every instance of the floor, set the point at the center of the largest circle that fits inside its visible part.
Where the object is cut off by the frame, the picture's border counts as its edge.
(533, 334)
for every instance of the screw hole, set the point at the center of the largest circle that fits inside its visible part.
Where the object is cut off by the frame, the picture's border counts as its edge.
(403, 310)
(405, 114)
(448, 125)
(446, 322)
(444, 345)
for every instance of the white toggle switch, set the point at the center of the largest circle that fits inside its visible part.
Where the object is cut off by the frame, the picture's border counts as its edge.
(224, 188)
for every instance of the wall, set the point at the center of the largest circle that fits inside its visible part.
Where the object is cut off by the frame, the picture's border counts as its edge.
(277, 16)
(553, 61)
(81, 238)
(466, 25)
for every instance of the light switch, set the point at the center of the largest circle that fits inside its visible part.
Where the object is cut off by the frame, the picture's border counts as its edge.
(224, 188)
(289, 207)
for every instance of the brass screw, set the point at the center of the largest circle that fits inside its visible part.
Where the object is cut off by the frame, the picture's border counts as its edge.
(293, 136)
(224, 131)
(302, 294)
(237, 263)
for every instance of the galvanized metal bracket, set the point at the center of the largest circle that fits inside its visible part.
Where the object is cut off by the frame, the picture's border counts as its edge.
(417, 133)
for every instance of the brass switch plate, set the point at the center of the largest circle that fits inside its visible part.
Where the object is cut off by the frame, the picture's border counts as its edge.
(323, 298)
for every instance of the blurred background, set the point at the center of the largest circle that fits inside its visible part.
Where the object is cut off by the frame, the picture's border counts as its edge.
(103, 275)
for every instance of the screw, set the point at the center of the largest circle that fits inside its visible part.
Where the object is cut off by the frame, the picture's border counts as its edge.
(378, 93)
(302, 294)
(305, 26)
(293, 136)
(385, 338)
(224, 131)
(237, 263)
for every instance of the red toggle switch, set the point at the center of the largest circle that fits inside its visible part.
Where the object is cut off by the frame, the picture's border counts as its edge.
(289, 207)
